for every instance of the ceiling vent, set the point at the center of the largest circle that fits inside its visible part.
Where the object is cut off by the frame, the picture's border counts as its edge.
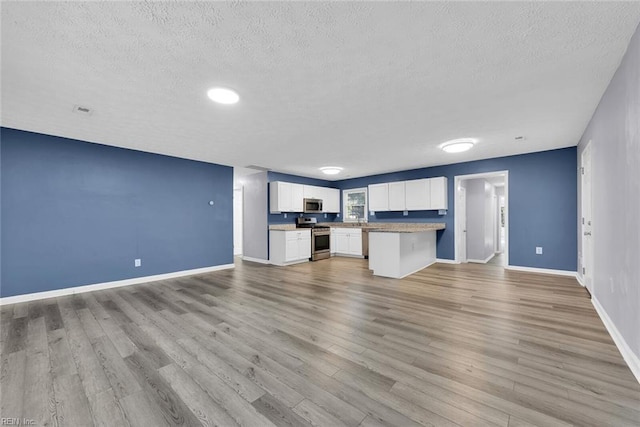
(80, 109)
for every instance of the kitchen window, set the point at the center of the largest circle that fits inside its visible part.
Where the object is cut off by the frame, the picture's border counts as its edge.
(354, 205)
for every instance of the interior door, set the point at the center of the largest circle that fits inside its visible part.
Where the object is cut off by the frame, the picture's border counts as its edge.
(461, 218)
(587, 220)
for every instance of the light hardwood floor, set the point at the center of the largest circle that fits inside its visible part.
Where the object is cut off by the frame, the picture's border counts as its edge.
(321, 343)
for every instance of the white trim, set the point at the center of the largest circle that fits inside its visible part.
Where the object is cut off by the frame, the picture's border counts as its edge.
(446, 261)
(542, 270)
(580, 280)
(258, 260)
(408, 274)
(632, 360)
(284, 264)
(348, 255)
(480, 261)
(456, 182)
(108, 285)
(364, 190)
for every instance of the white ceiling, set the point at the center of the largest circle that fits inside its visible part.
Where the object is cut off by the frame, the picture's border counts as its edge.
(371, 87)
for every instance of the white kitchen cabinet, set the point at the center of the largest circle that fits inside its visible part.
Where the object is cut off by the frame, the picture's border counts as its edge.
(289, 247)
(285, 197)
(397, 200)
(348, 241)
(378, 197)
(332, 241)
(413, 195)
(331, 200)
(312, 192)
(330, 197)
(438, 193)
(418, 194)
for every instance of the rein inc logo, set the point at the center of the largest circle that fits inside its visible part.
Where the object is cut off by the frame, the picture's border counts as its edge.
(5, 421)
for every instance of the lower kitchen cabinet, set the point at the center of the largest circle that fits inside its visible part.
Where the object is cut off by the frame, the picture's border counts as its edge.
(289, 247)
(348, 241)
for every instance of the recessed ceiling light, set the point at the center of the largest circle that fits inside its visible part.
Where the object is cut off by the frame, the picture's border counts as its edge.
(458, 145)
(223, 95)
(331, 170)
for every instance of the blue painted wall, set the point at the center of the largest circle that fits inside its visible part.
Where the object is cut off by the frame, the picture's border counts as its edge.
(291, 217)
(76, 213)
(542, 205)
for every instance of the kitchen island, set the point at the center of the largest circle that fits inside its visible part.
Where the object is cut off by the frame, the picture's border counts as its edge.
(399, 250)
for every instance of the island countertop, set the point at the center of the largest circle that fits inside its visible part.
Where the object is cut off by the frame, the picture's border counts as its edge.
(378, 227)
(390, 227)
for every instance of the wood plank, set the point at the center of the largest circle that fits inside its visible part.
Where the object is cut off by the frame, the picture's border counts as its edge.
(106, 411)
(321, 343)
(72, 406)
(12, 378)
(173, 408)
(39, 398)
(140, 410)
(316, 415)
(208, 412)
(278, 413)
(120, 377)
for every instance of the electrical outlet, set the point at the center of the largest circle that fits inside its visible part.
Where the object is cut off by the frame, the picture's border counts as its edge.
(325, 215)
(405, 213)
(538, 250)
(285, 216)
(137, 262)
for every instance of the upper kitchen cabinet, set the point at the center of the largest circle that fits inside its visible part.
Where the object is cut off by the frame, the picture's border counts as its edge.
(415, 195)
(379, 197)
(285, 197)
(397, 195)
(331, 200)
(313, 192)
(438, 192)
(418, 194)
(330, 197)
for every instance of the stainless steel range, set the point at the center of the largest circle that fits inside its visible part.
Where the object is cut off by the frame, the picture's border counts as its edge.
(320, 237)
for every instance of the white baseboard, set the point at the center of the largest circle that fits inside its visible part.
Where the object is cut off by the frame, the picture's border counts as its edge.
(446, 261)
(108, 285)
(629, 356)
(580, 280)
(482, 261)
(258, 260)
(542, 270)
(284, 264)
(349, 255)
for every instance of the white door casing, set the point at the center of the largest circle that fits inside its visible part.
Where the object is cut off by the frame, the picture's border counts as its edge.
(461, 219)
(460, 250)
(237, 220)
(586, 221)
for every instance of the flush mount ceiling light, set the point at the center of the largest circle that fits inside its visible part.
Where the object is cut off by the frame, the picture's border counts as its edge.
(458, 145)
(331, 170)
(223, 95)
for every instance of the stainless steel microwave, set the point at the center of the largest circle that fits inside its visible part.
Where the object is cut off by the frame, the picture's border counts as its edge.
(312, 206)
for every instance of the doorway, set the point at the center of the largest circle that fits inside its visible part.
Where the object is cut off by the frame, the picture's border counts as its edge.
(586, 222)
(482, 230)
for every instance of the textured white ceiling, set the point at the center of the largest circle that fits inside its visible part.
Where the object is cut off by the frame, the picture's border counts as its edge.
(371, 87)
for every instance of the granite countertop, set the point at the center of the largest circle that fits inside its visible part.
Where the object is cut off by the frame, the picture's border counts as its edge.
(390, 227)
(282, 227)
(384, 227)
